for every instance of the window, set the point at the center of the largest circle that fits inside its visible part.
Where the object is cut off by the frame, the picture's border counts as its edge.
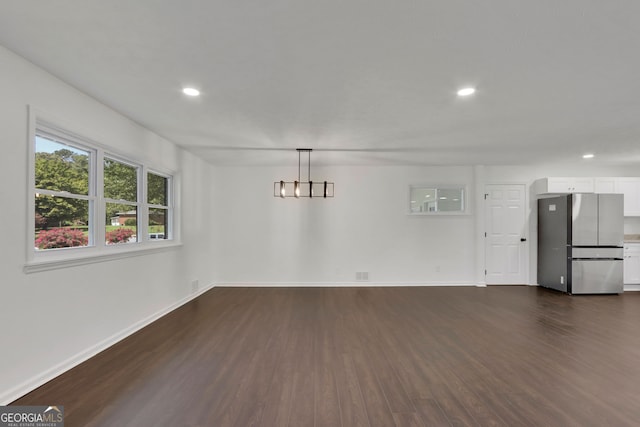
(63, 200)
(425, 200)
(158, 200)
(86, 199)
(121, 201)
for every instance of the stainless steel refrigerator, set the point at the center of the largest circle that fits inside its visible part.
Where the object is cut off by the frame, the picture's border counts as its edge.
(580, 243)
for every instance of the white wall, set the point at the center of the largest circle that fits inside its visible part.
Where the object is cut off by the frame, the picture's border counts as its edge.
(632, 225)
(365, 228)
(50, 319)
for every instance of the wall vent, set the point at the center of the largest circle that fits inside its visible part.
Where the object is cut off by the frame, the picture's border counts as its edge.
(362, 276)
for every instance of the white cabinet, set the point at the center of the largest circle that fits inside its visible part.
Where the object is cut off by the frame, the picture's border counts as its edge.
(630, 187)
(570, 185)
(565, 185)
(632, 264)
(606, 185)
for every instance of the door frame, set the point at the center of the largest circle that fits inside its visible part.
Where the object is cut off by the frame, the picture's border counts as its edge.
(526, 251)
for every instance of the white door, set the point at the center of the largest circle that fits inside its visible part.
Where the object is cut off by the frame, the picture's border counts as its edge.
(506, 246)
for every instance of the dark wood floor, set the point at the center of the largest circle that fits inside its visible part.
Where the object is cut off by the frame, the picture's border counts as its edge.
(497, 356)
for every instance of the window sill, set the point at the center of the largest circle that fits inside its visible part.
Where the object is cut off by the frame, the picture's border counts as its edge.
(53, 263)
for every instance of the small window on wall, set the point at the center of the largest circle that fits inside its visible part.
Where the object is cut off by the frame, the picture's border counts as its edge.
(433, 200)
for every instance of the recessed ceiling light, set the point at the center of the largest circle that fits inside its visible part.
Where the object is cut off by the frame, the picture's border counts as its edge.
(466, 91)
(588, 156)
(190, 91)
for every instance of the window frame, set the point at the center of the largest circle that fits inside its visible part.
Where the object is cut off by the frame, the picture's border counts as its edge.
(464, 199)
(71, 141)
(137, 204)
(168, 232)
(97, 249)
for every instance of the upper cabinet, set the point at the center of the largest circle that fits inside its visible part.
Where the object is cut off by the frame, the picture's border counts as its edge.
(565, 185)
(606, 185)
(629, 186)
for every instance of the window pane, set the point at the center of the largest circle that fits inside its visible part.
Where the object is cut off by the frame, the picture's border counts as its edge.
(120, 181)
(158, 219)
(121, 224)
(423, 200)
(61, 222)
(157, 189)
(60, 212)
(60, 167)
(450, 200)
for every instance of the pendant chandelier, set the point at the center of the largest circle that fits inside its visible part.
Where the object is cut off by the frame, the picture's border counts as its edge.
(301, 188)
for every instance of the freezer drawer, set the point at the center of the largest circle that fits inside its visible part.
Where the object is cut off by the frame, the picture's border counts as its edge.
(596, 276)
(597, 253)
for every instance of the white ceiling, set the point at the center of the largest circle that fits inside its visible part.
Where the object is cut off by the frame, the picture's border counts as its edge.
(369, 81)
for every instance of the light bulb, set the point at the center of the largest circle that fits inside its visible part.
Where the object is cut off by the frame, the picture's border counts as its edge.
(191, 91)
(466, 91)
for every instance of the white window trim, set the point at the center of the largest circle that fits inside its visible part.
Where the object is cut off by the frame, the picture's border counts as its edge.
(37, 261)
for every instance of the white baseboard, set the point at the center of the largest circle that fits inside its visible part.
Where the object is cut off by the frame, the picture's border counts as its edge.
(337, 284)
(46, 376)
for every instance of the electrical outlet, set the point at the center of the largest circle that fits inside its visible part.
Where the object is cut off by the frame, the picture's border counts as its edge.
(562, 280)
(195, 286)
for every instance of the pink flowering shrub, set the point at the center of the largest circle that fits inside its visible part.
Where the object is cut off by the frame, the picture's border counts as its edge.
(60, 238)
(120, 235)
